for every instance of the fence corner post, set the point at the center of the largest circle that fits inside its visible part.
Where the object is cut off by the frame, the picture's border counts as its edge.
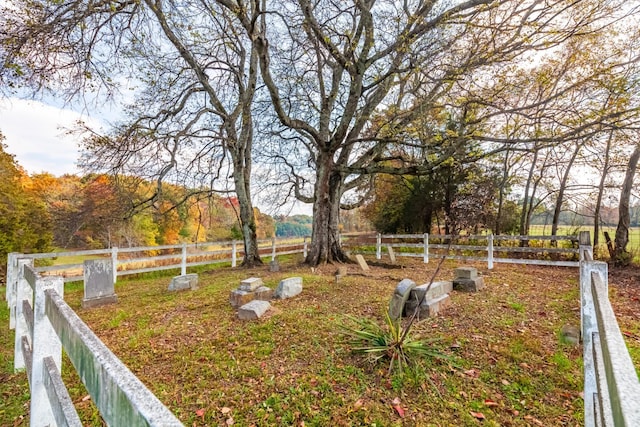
(490, 251)
(45, 344)
(23, 292)
(425, 250)
(378, 246)
(234, 255)
(183, 264)
(114, 263)
(12, 285)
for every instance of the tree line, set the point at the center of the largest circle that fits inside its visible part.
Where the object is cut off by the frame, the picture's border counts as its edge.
(334, 103)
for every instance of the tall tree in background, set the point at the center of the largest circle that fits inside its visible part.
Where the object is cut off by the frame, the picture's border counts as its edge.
(24, 221)
(621, 256)
(196, 74)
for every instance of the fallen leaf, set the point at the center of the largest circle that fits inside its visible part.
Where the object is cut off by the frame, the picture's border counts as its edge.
(505, 382)
(87, 397)
(515, 412)
(230, 421)
(358, 404)
(200, 412)
(472, 373)
(225, 410)
(533, 420)
(396, 405)
(478, 415)
(490, 403)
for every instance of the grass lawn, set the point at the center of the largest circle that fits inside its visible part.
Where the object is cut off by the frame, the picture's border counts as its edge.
(293, 368)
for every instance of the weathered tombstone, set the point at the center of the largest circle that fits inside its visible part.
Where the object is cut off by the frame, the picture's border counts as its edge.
(239, 297)
(436, 290)
(340, 273)
(289, 287)
(98, 283)
(400, 296)
(392, 254)
(263, 293)
(274, 267)
(184, 282)
(467, 280)
(253, 310)
(362, 263)
(428, 307)
(250, 284)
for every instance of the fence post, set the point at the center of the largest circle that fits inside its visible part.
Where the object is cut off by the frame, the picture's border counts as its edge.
(45, 343)
(425, 250)
(114, 263)
(589, 325)
(234, 255)
(183, 266)
(490, 252)
(23, 292)
(12, 284)
(584, 243)
(273, 248)
(378, 246)
(304, 249)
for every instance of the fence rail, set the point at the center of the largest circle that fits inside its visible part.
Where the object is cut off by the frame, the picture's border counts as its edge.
(473, 250)
(45, 325)
(611, 387)
(127, 261)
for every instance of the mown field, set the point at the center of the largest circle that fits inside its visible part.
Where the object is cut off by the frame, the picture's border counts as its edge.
(507, 364)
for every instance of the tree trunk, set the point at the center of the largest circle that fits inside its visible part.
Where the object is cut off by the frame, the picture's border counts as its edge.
(622, 257)
(325, 239)
(561, 190)
(241, 173)
(603, 177)
(524, 214)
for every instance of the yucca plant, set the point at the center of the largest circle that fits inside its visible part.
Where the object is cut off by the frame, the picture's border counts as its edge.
(391, 342)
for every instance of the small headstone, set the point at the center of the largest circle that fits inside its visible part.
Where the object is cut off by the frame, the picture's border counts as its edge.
(392, 255)
(362, 263)
(466, 273)
(181, 283)
(437, 290)
(98, 283)
(400, 297)
(468, 285)
(263, 293)
(274, 267)
(253, 310)
(570, 334)
(250, 284)
(429, 307)
(289, 287)
(340, 273)
(239, 297)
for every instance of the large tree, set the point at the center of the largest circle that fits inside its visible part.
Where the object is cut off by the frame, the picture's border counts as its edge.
(195, 74)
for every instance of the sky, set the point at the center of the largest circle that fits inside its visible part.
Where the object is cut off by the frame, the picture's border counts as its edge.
(35, 133)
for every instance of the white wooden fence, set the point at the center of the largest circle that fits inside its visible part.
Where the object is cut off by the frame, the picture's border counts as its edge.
(44, 326)
(147, 259)
(611, 387)
(453, 247)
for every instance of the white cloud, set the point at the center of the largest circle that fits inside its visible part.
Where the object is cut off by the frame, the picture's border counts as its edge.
(35, 134)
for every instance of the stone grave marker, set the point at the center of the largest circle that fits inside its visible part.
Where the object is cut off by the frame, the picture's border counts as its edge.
(181, 283)
(340, 273)
(253, 310)
(251, 284)
(467, 280)
(435, 300)
(250, 289)
(274, 267)
(362, 263)
(98, 283)
(288, 288)
(392, 254)
(400, 297)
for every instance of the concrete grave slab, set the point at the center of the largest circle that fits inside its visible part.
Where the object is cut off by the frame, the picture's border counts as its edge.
(98, 283)
(400, 296)
(362, 263)
(466, 273)
(429, 307)
(263, 293)
(274, 267)
(468, 285)
(289, 287)
(239, 297)
(181, 283)
(253, 310)
(251, 284)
